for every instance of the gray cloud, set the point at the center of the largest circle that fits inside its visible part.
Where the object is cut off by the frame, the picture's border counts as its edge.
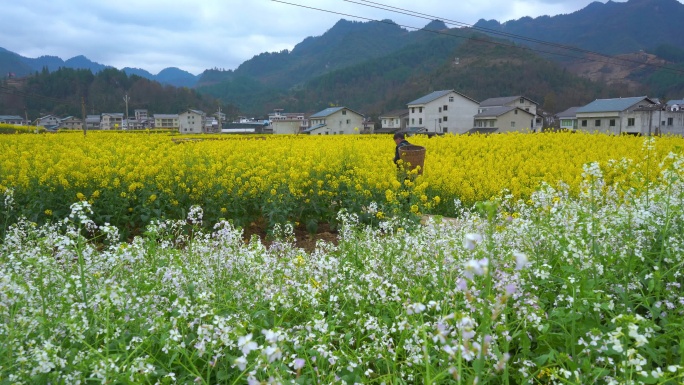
(197, 35)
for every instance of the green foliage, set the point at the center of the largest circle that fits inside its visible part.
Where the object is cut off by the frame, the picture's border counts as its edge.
(670, 53)
(62, 92)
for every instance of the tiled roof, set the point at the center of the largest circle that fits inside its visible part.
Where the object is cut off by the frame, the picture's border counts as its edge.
(326, 112)
(436, 95)
(494, 111)
(314, 127)
(11, 117)
(494, 102)
(569, 113)
(677, 102)
(502, 101)
(610, 105)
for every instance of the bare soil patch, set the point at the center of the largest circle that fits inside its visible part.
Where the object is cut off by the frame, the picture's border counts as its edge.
(303, 238)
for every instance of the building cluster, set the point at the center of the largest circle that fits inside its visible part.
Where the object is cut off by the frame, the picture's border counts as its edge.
(448, 111)
(189, 122)
(439, 112)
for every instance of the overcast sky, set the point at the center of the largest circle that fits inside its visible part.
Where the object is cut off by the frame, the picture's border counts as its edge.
(201, 34)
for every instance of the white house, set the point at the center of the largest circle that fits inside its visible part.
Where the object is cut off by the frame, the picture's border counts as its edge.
(616, 116)
(71, 123)
(93, 122)
(394, 121)
(335, 121)
(166, 121)
(675, 105)
(192, 122)
(568, 119)
(12, 119)
(515, 101)
(442, 111)
(112, 121)
(48, 121)
(659, 119)
(502, 119)
(288, 122)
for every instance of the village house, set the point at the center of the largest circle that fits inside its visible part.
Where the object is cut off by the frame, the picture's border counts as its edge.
(335, 121)
(502, 119)
(568, 119)
(675, 105)
(518, 101)
(441, 112)
(288, 122)
(111, 121)
(192, 122)
(71, 123)
(394, 121)
(166, 121)
(92, 122)
(660, 119)
(617, 116)
(50, 122)
(11, 119)
(140, 121)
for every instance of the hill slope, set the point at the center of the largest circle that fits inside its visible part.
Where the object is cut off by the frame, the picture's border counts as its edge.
(611, 28)
(426, 62)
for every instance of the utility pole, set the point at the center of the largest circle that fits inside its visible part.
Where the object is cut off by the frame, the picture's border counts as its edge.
(83, 112)
(220, 125)
(126, 99)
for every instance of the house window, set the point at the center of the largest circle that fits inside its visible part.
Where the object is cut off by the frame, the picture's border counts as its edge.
(597, 123)
(440, 120)
(348, 121)
(451, 99)
(439, 109)
(444, 129)
(413, 110)
(612, 123)
(630, 121)
(420, 109)
(344, 112)
(522, 100)
(444, 119)
(584, 123)
(444, 108)
(515, 112)
(670, 121)
(491, 123)
(413, 121)
(420, 120)
(512, 124)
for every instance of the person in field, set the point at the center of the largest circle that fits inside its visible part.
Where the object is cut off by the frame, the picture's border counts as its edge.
(400, 140)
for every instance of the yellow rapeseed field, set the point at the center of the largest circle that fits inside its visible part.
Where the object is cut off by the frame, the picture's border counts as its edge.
(132, 178)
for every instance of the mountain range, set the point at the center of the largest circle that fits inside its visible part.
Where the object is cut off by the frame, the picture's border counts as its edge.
(22, 66)
(557, 60)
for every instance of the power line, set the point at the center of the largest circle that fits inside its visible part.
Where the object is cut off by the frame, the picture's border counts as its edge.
(610, 59)
(495, 32)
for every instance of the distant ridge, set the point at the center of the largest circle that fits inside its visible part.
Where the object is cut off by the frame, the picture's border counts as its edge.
(611, 28)
(22, 66)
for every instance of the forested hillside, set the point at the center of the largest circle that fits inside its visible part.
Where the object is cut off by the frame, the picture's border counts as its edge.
(459, 59)
(61, 92)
